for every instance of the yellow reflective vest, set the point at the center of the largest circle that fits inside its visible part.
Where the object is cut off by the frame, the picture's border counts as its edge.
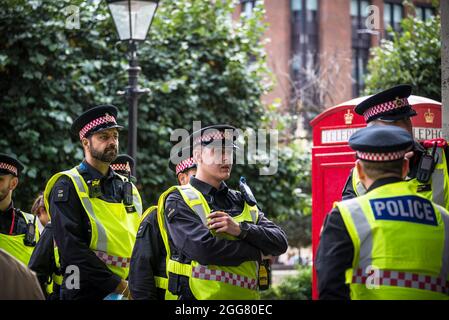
(401, 245)
(437, 189)
(211, 282)
(15, 244)
(113, 228)
(160, 281)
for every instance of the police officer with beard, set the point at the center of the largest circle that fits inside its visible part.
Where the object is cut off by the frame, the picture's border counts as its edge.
(94, 216)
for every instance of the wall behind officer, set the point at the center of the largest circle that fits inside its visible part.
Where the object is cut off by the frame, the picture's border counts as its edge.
(15, 237)
(147, 274)
(226, 233)
(367, 231)
(99, 243)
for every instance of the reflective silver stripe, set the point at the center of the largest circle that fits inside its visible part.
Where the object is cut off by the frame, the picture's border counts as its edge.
(137, 203)
(439, 152)
(438, 181)
(444, 273)
(363, 230)
(199, 210)
(190, 193)
(253, 213)
(403, 279)
(360, 188)
(438, 187)
(102, 238)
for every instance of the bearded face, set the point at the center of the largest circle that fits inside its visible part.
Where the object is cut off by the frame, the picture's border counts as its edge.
(103, 146)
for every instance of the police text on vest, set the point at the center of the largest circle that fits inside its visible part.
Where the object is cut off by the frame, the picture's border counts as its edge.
(405, 208)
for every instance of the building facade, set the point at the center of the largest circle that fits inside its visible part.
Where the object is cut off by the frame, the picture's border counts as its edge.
(319, 49)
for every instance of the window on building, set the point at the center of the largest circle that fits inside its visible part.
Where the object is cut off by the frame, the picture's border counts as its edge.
(424, 12)
(304, 15)
(248, 7)
(361, 43)
(393, 14)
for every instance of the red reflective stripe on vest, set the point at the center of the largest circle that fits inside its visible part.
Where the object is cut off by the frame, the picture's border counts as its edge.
(115, 261)
(405, 280)
(202, 272)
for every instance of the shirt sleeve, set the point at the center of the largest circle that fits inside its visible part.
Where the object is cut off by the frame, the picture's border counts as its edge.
(42, 260)
(334, 256)
(141, 275)
(267, 236)
(194, 239)
(73, 239)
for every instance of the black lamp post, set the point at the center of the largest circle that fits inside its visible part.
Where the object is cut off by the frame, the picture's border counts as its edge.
(132, 20)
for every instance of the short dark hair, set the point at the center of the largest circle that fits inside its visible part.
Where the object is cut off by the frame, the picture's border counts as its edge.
(377, 170)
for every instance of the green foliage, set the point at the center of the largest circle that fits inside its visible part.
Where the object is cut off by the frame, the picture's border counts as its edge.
(298, 287)
(413, 56)
(198, 63)
(48, 75)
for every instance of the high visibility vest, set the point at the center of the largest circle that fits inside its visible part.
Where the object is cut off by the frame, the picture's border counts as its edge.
(401, 245)
(160, 281)
(436, 190)
(113, 228)
(211, 282)
(15, 244)
(56, 279)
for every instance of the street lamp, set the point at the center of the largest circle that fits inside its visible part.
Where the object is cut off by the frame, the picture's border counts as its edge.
(132, 20)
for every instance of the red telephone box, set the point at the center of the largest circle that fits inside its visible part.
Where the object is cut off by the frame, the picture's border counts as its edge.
(332, 158)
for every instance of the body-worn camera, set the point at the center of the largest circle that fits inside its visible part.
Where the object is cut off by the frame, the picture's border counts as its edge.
(30, 235)
(427, 165)
(246, 192)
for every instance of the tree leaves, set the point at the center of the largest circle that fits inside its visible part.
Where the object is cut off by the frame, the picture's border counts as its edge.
(197, 63)
(413, 56)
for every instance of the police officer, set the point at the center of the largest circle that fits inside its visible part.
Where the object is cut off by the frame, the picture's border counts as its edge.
(18, 230)
(95, 212)
(45, 258)
(390, 243)
(216, 237)
(428, 172)
(147, 275)
(123, 165)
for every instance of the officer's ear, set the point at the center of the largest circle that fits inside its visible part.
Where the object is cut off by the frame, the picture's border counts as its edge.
(360, 170)
(405, 168)
(182, 178)
(85, 143)
(13, 183)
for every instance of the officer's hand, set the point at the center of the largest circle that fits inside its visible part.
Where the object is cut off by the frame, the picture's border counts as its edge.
(268, 257)
(409, 155)
(123, 289)
(222, 222)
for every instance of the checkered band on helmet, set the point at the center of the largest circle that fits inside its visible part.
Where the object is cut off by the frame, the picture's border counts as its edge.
(8, 167)
(120, 167)
(95, 123)
(216, 135)
(381, 157)
(385, 107)
(184, 165)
